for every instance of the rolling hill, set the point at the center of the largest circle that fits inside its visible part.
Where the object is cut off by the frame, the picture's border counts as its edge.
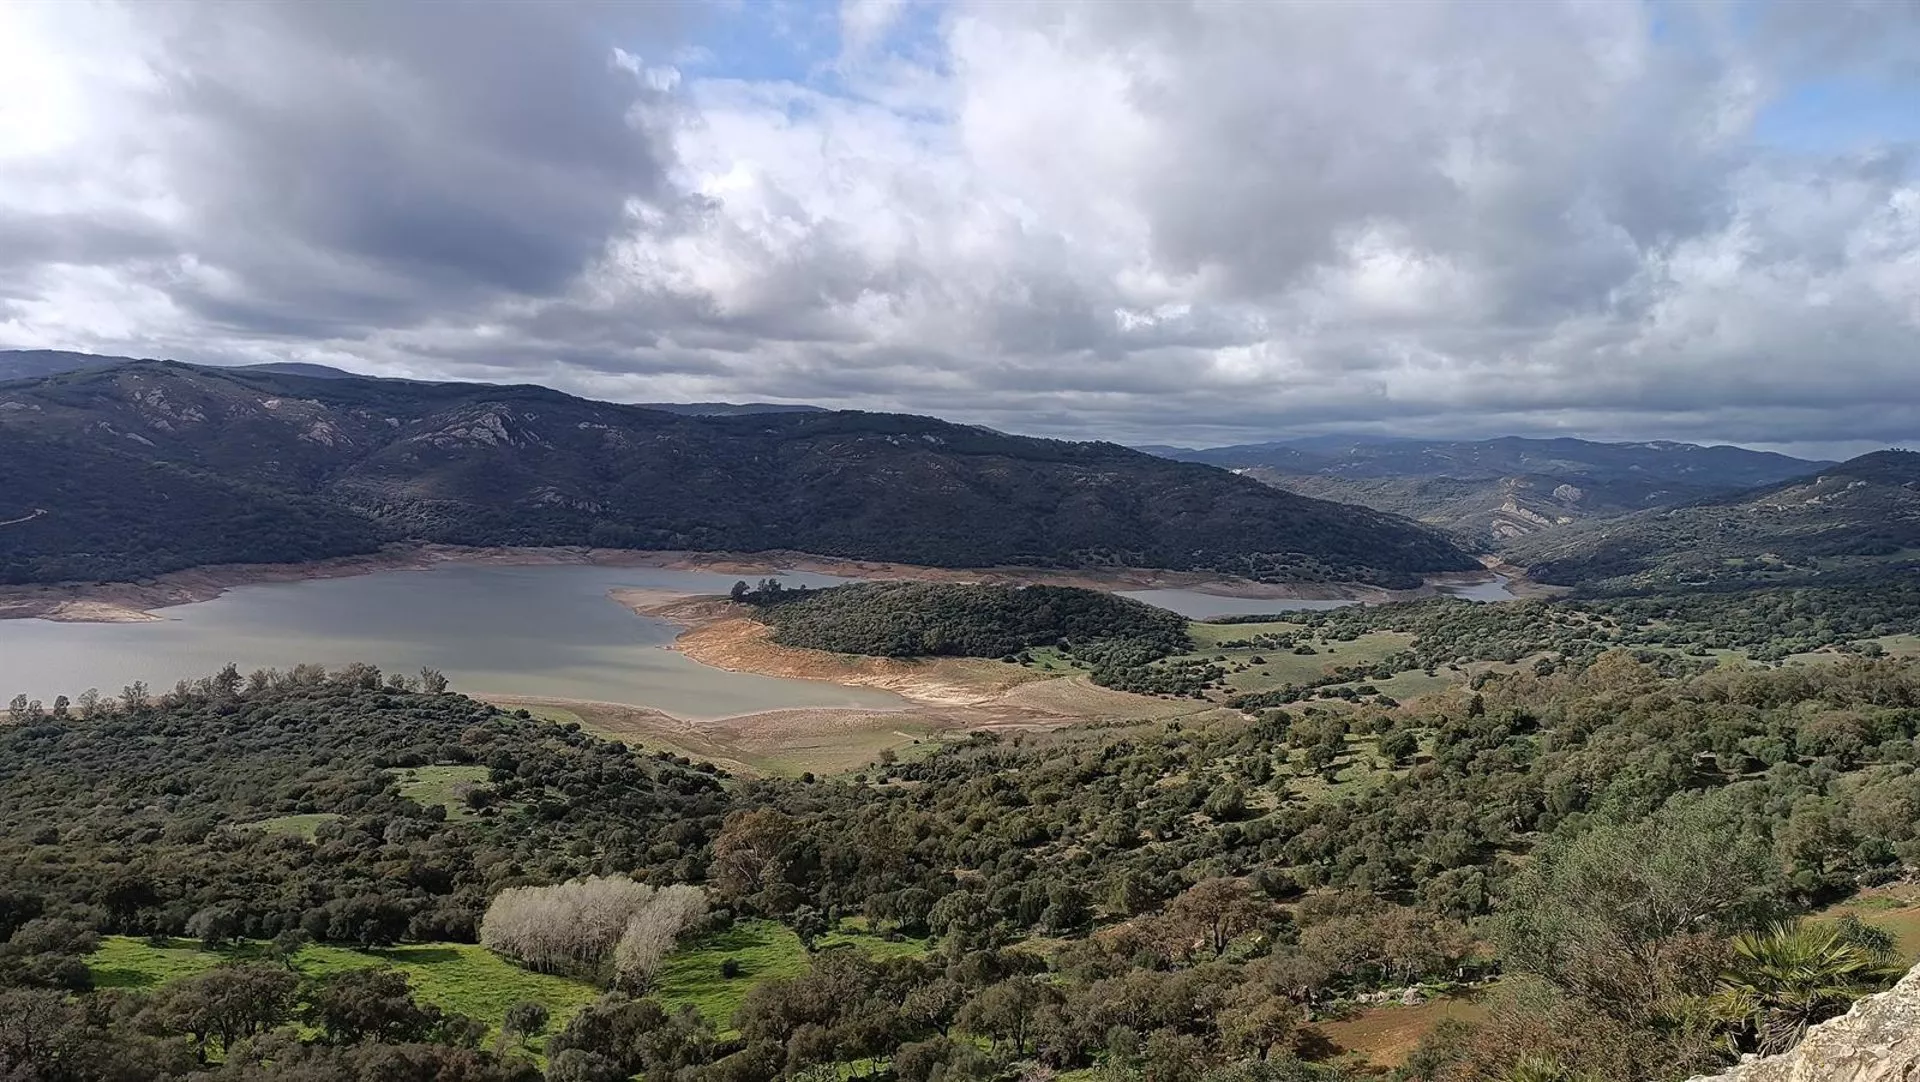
(1855, 519)
(152, 465)
(1491, 491)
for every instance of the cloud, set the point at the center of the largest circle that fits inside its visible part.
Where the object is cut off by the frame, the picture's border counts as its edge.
(1152, 222)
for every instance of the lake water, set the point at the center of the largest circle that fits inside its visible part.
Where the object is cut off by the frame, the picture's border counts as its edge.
(1195, 605)
(540, 631)
(537, 631)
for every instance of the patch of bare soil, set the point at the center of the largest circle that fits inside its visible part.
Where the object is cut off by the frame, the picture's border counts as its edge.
(947, 696)
(1386, 1035)
(742, 644)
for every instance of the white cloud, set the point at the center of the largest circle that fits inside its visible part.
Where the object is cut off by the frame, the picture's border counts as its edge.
(1163, 222)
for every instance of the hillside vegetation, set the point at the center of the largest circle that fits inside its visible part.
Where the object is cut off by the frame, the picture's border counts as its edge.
(321, 466)
(914, 619)
(1597, 845)
(1490, 491)
(1856, 521)
(1115, 638)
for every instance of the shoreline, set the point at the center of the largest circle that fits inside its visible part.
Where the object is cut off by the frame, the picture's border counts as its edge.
(131, 602)
(940, 697)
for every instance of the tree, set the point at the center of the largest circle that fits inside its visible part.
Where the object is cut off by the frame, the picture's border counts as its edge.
(283, 948)
(226, 682)
(213, 925)
(433, 681)
(568, 925)
(739, 592)
(1214, 912)
(1008, 1011)
(633, 1036)
(1068, 909)
(1627, 917)
(1788, 976)
(1399, 745)
(1255, 1021)
(372, 1004)
(527, 1018)
(651, 933)
(1227, 803)
(226, 1004)
(809, 925)
(579, 1065)
(750, 854)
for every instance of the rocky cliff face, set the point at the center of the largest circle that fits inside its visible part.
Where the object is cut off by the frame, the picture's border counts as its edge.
(1877, 1041)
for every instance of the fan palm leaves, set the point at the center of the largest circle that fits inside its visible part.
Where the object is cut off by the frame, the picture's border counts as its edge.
(1788, 976)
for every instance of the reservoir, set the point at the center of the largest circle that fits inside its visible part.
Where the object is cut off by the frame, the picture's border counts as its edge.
(1197, 605)
(545, 631)
(494, 630)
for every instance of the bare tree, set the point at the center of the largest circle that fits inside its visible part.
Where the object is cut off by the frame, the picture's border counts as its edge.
(651, 933)
(568, 925)
(581, 924)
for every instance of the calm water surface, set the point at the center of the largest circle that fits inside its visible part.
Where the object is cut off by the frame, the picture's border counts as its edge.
(543, 631)
(1200, 606)
(492, 630)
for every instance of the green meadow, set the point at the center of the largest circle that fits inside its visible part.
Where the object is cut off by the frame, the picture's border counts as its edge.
(469, 979)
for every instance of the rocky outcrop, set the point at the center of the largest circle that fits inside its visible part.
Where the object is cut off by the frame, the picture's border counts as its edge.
(1877, 1041)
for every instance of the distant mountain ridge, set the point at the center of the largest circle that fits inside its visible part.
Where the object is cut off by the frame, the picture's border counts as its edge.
(1492, 491)
(151, 465)
(39, 363)
(730, 409)
(1847, 521)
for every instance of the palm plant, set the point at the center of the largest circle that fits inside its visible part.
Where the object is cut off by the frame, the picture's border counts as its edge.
(1789, 976)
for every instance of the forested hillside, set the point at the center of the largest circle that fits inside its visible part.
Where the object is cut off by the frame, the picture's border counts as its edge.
(913, 619)
(1117, 639)
(1856, 521)
(1587, 842)
(1490, 491)
(289, 460)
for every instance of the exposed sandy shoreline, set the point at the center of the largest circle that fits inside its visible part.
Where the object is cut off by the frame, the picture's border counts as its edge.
(116, 602)
(942, 695)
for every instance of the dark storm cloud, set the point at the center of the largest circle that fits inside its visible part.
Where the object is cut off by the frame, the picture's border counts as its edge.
(1160, 222)
(492, 151)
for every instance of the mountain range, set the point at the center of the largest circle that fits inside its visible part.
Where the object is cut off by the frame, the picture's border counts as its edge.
(1854, 521)
(1492, 491)
(139, 467)
(36, 363)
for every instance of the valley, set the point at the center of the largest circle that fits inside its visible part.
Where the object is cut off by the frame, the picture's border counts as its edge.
(959, 541)
(543, 630)
(906, 749)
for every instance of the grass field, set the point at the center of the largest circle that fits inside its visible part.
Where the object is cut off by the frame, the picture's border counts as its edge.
(1895, 910)
(692, 976)
(442, 785)
(473, 981)
(293, 826)
(462, 977)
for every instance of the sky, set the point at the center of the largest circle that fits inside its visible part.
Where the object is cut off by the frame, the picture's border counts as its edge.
(1174, 223)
